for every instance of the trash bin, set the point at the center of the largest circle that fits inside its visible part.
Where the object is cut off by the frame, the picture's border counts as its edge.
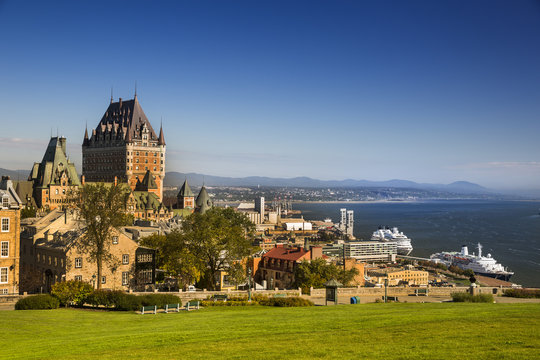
(357, 299)
(353, 300)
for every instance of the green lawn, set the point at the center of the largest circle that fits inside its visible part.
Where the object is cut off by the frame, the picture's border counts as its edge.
(366, 331)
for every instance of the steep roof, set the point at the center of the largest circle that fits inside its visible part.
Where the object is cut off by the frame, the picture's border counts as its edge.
(286, 253)
(125, 120)
(54, 165)
(185, 191)
(147, 182)
(161, 140)
(147, 201)
(203, 201)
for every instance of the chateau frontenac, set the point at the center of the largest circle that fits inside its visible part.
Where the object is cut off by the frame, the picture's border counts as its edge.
(124, 146)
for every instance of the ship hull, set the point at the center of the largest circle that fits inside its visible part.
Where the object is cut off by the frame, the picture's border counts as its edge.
(504, 277)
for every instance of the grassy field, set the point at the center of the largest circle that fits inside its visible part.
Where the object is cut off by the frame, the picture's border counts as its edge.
(367, 331)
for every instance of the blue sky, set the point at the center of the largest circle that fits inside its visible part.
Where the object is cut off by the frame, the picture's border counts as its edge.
(430, 91)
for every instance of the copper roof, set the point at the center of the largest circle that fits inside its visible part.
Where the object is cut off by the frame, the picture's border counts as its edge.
(286, 253)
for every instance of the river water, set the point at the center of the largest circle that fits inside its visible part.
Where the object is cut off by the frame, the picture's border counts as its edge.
(509, 230)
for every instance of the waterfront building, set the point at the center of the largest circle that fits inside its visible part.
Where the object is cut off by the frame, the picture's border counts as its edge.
(125, 146)
(408, 276)
(346, 225)
(368, 251)
(52, 179)
(10, 223)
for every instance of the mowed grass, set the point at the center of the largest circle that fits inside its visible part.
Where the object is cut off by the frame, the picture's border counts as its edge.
(365, 331)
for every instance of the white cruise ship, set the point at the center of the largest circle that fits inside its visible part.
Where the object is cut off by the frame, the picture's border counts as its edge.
(404, 246)
(482, 265)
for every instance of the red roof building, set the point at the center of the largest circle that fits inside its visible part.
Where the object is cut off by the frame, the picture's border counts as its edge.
(277, 265)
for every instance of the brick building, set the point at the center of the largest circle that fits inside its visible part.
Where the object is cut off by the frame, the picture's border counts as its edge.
(10, 223)
(124, 145)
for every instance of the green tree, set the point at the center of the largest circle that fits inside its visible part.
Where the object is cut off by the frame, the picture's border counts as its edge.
(174, 256)
(218, 238)
(102, 208)
(316, 272)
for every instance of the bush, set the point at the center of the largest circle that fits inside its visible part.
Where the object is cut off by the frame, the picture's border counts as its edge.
(159, 299)
(37, 302)
(72, 291)
(106, 298)
(287, 302)
(466, 297)
(522, 293)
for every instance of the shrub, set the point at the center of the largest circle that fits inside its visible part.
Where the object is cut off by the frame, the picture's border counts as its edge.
(466, 297)
(106, 298)
(128, 302)
(287, 302)
(159, 299)
(72, 291)
(37, 302)
(522, 293)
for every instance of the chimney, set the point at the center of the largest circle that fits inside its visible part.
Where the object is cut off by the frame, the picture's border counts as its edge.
(316, 252)
(120, 102)
(115, 180)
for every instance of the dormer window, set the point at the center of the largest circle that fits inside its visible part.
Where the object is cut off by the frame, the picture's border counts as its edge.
(5, 201)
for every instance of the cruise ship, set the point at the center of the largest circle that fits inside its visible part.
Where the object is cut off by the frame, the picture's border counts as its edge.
(404, 246)
(481, 265)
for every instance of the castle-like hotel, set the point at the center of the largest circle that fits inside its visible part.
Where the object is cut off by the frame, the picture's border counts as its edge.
(125, 149)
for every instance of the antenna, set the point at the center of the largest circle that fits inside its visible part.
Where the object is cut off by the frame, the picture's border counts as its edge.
(111, 94)
(135, 88)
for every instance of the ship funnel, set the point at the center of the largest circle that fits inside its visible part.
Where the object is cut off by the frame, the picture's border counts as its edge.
(479, 250)
(464, 250)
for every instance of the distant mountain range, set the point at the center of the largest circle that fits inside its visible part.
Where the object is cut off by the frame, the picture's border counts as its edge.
(173, 178)
(15, 174)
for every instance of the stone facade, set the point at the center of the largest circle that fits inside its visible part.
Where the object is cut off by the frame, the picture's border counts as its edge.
(50, 254)
(10, 225)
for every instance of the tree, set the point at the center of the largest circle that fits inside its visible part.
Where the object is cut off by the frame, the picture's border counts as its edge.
(316, 272)
(102, 208)
(217, 239)
(174, 256)
(71, 291)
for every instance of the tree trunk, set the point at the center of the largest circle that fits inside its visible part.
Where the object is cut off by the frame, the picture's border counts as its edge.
(99, 265)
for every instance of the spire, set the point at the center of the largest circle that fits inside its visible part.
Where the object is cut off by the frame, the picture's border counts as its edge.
(111, 94)
(135, 98)
(161, 139)
(85, 140)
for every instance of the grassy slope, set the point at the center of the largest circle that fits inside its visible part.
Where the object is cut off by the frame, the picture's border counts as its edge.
(419, 331)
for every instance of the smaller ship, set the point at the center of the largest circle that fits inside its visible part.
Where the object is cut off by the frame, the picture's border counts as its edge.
(404, 246)
(481, 265)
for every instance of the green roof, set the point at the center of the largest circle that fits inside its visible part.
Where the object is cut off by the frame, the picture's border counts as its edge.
(203, 201)
(185, 191)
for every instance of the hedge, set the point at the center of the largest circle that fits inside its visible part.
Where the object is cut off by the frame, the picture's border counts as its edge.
(120, 300)
(466, 297)
(37, 302)
(522, 293)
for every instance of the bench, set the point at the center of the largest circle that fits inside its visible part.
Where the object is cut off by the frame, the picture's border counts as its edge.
(391, 298)
(280, 295)
(149, 310)
(423, 292)
(220, 297)
(193, 304)
(172, 307)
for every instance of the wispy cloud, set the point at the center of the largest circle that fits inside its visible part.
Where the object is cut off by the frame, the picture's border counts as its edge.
(532, 165)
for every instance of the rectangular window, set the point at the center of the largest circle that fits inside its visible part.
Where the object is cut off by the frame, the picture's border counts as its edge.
(115, 240)
(4, 249)
(5, 224)
(125, 259)
(4, 292)
(125, 278)
(3, 275)
(103, 279)
(78, 262)
(78, 277)
(5, 202)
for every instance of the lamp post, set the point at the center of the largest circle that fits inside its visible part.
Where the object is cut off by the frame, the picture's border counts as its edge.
(94, 281)
(385, 289)
(249, 284)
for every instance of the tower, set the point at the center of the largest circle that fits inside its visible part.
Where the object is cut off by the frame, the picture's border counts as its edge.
(124, 145)
(185, 197)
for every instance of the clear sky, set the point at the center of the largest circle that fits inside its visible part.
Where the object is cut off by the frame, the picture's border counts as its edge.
(429, 91)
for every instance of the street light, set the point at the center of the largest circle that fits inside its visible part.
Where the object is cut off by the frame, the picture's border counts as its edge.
(249, 284)
(385, 289)
(94, 281)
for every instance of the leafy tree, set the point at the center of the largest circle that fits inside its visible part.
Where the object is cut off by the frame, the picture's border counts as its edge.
(174, 256)
(217, 238)
(237, 273)
(102, 209)
(316, 272)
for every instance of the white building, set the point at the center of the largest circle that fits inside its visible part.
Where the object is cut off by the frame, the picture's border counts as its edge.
(371, 250)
